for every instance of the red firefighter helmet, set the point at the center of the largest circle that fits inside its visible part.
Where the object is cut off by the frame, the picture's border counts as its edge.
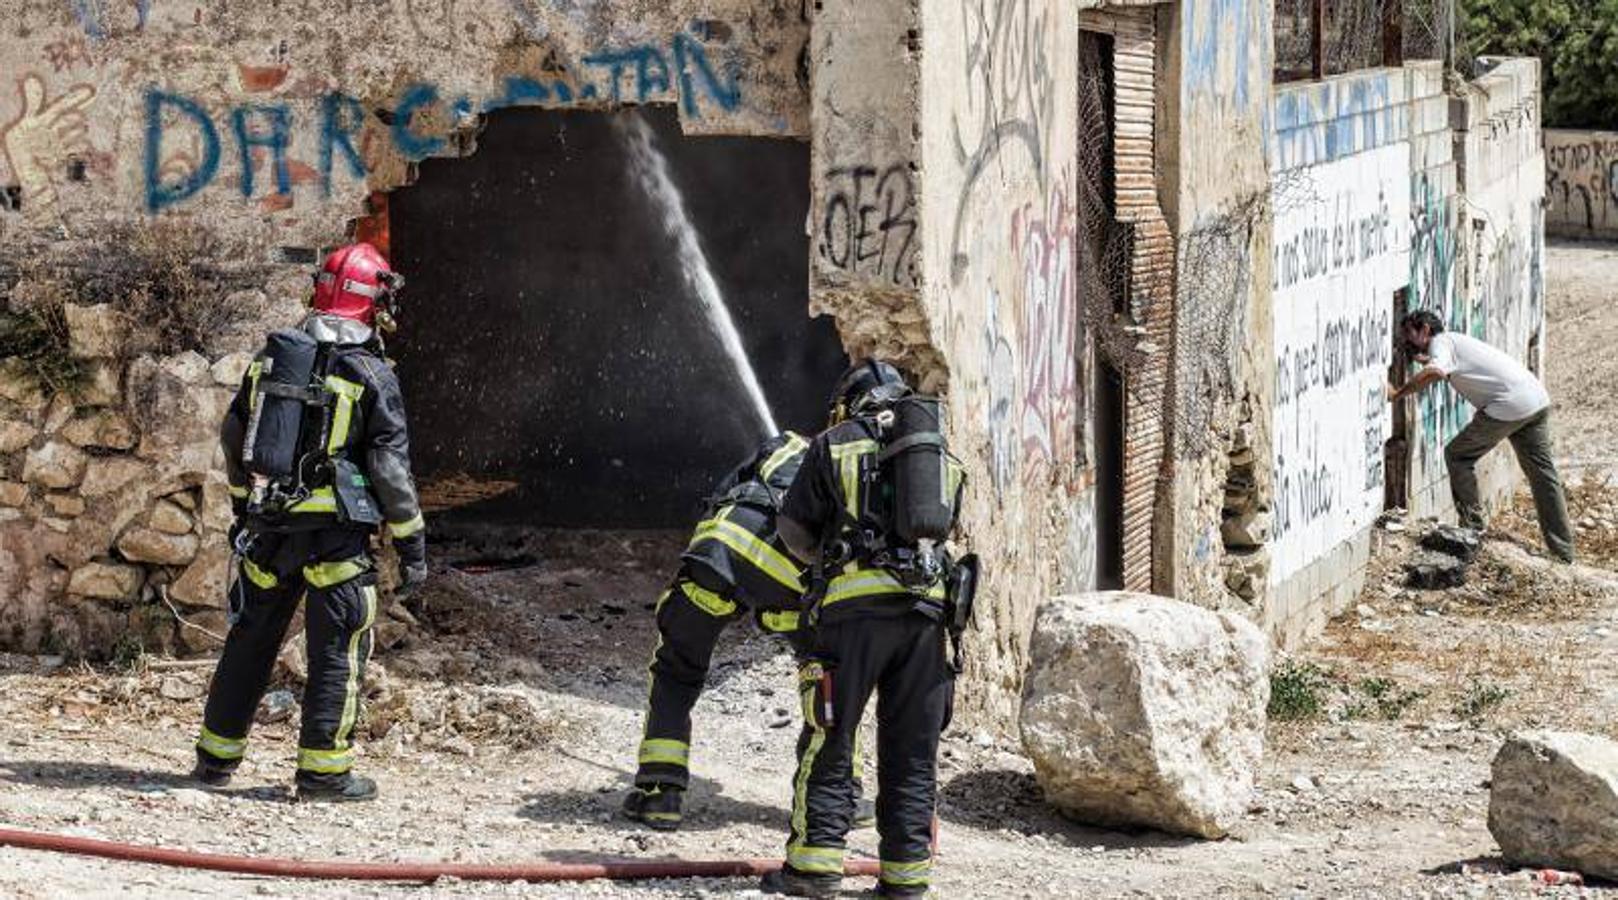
(354, 281)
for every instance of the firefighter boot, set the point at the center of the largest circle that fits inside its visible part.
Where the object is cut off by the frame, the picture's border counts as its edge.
(657, 807)
(793, 883)
(210, 774)
(345, 788)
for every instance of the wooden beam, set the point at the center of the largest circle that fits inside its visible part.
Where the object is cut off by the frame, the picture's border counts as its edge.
(1393, 33)
(1317, 39)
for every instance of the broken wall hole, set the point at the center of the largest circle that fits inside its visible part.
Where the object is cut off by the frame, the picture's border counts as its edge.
(559, 347)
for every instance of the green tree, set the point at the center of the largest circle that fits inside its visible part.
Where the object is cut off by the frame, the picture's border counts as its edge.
(1577, 45)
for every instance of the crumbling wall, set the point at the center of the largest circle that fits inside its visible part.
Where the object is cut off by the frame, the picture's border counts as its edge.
(1581, 183)
(998, 150)
(266, 129)
(1214, 167)
(289, 114)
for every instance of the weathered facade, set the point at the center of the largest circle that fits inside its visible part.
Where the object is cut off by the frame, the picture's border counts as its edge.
(1157, 290)
(1581, 183)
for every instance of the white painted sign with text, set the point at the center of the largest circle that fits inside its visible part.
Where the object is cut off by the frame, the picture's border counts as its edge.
(1342, 249)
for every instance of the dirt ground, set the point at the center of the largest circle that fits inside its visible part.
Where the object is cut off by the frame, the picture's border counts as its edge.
(506, 730)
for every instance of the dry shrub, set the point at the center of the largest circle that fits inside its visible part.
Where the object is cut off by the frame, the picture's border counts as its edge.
(170, 277)
(33, 329)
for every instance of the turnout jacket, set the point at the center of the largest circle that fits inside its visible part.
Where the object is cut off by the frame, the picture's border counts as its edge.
(367, 428)
(735, 546)
(844, 494)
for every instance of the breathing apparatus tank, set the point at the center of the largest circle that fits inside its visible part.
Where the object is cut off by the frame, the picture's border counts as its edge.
(275, 421)
(914, 449)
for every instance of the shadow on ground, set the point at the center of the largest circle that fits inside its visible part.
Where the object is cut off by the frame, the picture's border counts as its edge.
(1007, 799)
(78, 775)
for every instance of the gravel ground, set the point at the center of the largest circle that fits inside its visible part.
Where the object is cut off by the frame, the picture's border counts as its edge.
(504, 730)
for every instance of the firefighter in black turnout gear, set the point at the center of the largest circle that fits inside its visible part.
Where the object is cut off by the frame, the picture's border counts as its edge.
(733, 565)
(877, 495)
(317, 454)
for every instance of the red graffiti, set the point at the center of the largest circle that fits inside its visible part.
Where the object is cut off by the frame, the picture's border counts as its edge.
(1049, 335)
(69, 52)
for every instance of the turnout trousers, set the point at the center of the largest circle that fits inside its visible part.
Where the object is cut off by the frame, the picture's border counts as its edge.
(901, 657)
(331, 569)
(690, 619)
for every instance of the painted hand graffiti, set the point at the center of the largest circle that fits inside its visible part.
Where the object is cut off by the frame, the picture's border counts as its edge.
(43, 137)
(1049, 335)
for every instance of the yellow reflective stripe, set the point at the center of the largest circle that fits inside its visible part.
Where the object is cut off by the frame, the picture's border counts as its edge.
(407, 528)
(321, 500)
(238, 491)
(808, 677)
(873, 582)
(664, 750)
(847, 457)
(254, 370)
(326, 574)
(326, 762)
(779, 621)
(750, 547)
(907, 873)
(351, 690)
(707, 601)
(348, 393)
(794, 445)
(221, 747)
(263, 579)
(816, 859)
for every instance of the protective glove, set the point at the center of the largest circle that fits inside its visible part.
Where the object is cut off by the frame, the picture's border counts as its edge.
(412, 552)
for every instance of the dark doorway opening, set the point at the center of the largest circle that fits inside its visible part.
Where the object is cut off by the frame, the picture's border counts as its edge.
(1102, 267)
(559, 365)
(1396, 454)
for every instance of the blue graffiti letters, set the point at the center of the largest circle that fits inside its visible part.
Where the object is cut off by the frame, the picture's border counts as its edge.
(341, 118)
(415, 147)
(276, 137)
(197, 171)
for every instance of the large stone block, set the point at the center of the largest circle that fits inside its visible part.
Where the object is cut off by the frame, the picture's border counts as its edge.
(203, 584)
(105, 429)
(55, 465)
(169, 518)
(1140, 710)
(18, 384)
(1553, 802)
(102, 384)
(16, 435)
(179, 409)
(105, 475)
(95, 332)
(13, 493)
(105, 581)
(151, 546)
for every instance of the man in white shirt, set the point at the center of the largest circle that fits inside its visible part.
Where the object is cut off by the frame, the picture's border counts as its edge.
(1511, 404)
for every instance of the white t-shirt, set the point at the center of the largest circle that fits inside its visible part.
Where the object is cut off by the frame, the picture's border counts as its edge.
(1490, 380)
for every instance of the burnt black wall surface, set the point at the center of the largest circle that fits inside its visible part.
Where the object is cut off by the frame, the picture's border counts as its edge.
(548, 336)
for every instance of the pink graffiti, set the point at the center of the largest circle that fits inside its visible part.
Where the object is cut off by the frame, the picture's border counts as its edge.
(1049, 334)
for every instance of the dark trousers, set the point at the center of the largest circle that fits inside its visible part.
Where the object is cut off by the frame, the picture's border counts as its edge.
(690, 619)
(333, 570)
(1531, 440)
(902, 659)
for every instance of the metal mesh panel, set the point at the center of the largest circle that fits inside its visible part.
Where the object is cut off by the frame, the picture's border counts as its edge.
(1294, 56)
(1360, 34)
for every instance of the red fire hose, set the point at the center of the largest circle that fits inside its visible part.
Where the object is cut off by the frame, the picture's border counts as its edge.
(618, 870)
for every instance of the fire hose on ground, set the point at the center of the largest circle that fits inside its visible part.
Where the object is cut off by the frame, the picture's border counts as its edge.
(617, 870)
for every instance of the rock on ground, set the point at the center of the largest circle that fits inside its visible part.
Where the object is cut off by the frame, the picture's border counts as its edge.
(1140, 710)
(1553, 801)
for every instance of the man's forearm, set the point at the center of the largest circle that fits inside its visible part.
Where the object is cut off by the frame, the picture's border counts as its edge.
(1418, 382)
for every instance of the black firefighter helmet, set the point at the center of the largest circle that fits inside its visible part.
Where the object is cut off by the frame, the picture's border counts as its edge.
(866, 385)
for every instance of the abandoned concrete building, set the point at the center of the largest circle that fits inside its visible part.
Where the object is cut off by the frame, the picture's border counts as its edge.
(1154, 261)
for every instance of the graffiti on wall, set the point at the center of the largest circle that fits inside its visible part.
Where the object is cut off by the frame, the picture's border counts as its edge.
(1340, 256)
(999, 413)
(101, 19)
(1581, 181)
(1049, 335)
(1008, 101)
(683, 73)
(1220, 35)
(869, 223)
(44, 138)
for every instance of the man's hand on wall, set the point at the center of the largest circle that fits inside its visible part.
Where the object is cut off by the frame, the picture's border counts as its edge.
(39, 141)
